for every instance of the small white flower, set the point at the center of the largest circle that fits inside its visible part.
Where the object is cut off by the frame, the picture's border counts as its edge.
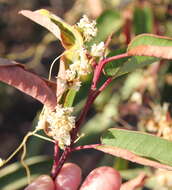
(164, 178)
(88, 28)
(78, 68)
(136, 97)
(80, 65)
(70, 74)
(97, 50)
(62, 83)
(76, 85)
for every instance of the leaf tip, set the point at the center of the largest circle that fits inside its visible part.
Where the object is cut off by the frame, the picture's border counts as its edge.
(23, 12)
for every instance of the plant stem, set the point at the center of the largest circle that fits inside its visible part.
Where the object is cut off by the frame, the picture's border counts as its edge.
(93, 93)
(101, 65)
(85, 147)
(56, 160)
(62, 160)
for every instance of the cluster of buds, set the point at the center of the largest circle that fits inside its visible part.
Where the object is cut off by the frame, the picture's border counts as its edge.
(97, 50)
(88, 28)
(159, 121)
(81, 65)
(58, 124)
(164, 179)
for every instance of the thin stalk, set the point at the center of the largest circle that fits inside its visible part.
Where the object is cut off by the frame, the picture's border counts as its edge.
(56, 160)
(62, 160)
(85, 147)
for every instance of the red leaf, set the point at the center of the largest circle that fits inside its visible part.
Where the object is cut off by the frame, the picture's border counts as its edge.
(43, 20)
(17, 76)
(119, 152)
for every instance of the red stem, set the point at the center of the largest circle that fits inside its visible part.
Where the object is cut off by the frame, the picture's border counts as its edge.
(91, 97)
(85, 147)
(56, 160)
(101, 65)
(93, 93)
(62, 160)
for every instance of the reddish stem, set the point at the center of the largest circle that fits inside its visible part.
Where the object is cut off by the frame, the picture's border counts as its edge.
(106, 83)
(62, 160)
(93, 93)
(56, 160)
(101, 65)
(85, 147)
(91, 97)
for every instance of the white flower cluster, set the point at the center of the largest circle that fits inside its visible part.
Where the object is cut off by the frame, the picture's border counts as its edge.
(81, 65)
(78, 68)
(58, 124)
(136, 97)
(98, 50)
(164, 179)
(158, 121)
(87, 27)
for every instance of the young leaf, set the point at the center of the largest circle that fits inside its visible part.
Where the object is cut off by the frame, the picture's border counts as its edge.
(113, 67)
(123, 66)
(66, 33)
(17, 76)
(138, 147)
(133, 63)
(151, 45)
(70, 98)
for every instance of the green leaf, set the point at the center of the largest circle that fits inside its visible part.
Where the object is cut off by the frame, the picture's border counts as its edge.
(68, 35)
(112, 68)
(109, 22)
(138, 147)
(143, 20)
(144, 49)
(123, 66)
(133, 63)
(69, 99)
(151, 45)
